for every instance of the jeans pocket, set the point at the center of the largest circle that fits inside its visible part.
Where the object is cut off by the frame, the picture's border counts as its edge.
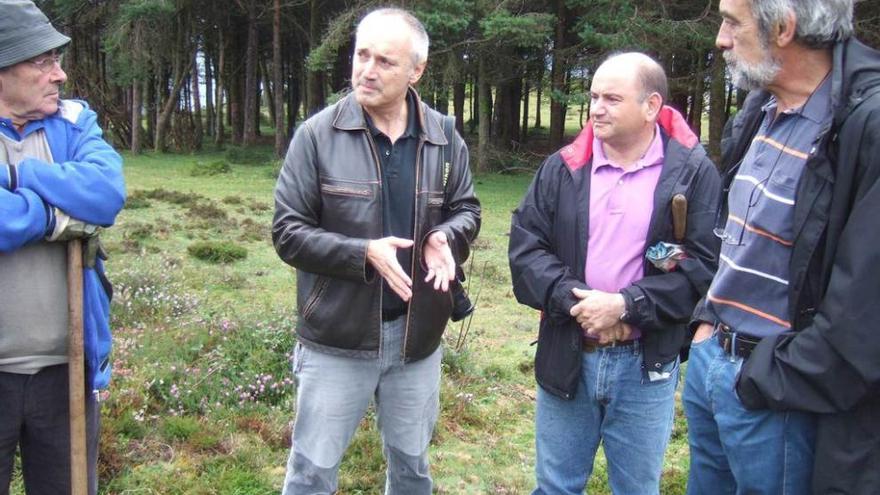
(703, 342)
(663, 374)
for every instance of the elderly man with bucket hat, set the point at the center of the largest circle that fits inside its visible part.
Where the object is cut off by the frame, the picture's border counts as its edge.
(59, 181)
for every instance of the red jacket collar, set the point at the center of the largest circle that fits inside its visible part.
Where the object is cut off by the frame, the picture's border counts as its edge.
(580, 151)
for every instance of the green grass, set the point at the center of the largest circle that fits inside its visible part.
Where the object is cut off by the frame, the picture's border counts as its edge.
(202, 396)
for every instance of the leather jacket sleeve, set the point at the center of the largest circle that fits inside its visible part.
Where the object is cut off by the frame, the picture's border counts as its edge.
(296, 232)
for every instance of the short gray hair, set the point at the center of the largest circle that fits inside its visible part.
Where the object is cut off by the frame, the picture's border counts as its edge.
(419, 38)
(820, 23)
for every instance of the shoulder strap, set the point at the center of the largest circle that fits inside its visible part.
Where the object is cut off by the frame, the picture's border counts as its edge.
(449, 131)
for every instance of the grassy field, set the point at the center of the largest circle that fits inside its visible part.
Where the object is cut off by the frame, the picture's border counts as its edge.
(202, 396)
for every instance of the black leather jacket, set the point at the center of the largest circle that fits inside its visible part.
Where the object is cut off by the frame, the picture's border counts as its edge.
(328, 205)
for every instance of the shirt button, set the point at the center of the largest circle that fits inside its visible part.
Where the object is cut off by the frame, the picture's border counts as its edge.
(620, 182)
(387, 152)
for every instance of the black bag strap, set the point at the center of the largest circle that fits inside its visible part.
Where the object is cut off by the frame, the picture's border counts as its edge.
(449, 131)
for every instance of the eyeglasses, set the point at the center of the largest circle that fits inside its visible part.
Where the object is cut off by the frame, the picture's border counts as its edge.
(47, 62)
(722, 233)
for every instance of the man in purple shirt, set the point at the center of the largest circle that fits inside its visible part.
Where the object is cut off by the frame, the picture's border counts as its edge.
(612, 324)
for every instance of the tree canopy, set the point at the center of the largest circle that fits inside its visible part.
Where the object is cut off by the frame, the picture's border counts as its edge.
(179, 73)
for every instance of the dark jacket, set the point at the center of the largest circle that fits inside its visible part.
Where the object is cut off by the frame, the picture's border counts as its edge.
(830, 362)
(548, 246)
(328, 205)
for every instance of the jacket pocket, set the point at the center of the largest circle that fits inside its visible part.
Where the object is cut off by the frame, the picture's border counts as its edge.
(353, 191)
(347, 206)
(315, 296)
(337, 314)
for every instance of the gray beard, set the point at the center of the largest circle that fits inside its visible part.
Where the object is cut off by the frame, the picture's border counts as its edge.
(751, 76)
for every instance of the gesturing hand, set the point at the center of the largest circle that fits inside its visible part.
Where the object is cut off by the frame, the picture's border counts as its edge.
(382, 254)
(439, 260)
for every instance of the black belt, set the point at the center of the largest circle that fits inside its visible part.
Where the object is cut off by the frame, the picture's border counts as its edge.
(591, 345)
(735, 343)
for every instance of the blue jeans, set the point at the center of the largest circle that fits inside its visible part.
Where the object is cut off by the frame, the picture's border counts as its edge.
(333, 393)
(34, 418)
(734, 450)
(616, 404)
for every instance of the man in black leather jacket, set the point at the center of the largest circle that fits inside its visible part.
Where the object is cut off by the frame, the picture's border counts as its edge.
(375, 221)
(824, 361)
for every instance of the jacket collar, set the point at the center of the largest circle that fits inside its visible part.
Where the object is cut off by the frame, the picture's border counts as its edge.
(855, 71)
(350, 117)
(580, 152)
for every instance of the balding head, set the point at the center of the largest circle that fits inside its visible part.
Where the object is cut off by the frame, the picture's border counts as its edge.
(626, 96)
(649, 74)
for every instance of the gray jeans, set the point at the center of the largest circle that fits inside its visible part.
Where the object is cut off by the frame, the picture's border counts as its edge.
(333, 394)
(34, 417)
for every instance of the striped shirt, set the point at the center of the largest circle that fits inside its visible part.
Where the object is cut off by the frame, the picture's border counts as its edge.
(750, 291)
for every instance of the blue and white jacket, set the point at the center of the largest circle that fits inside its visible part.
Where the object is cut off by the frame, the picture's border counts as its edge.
(87, 183)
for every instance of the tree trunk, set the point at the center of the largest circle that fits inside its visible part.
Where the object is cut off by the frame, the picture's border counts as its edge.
(485, 115)
(441, 101)
(219, 131)
(152, 100)
(524, 128)
(198, 131)
(236, 118)
(458, 90)
(209, 93)
(278, 103)
(267, 95)
(136, 117)
(475, 105)
(179, 75)
(539, 90)
(315, 97)
(557, 78)
(251, 107)
(717, 108)
(695, 113)
(294, 93)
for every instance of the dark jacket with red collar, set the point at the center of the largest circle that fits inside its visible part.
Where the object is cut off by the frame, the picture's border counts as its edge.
(548, 247)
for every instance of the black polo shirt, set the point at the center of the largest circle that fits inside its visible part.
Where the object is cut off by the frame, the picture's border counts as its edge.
(398, 171)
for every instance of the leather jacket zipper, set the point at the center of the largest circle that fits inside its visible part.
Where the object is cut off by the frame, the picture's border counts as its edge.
(416, 245)
(381, 221)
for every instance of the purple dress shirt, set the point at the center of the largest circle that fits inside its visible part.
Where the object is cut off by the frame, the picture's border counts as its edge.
(621, 204)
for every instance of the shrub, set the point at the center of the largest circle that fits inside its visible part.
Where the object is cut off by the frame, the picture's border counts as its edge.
(136, 202)
(173, 197)
(248, 156)
(179, 427)
(218, 167)
(217, 252)
(206, 210)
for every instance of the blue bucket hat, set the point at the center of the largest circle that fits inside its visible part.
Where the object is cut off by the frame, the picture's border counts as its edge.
(25, 32)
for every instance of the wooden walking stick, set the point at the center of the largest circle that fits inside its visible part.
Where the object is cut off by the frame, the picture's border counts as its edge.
(76, 370)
